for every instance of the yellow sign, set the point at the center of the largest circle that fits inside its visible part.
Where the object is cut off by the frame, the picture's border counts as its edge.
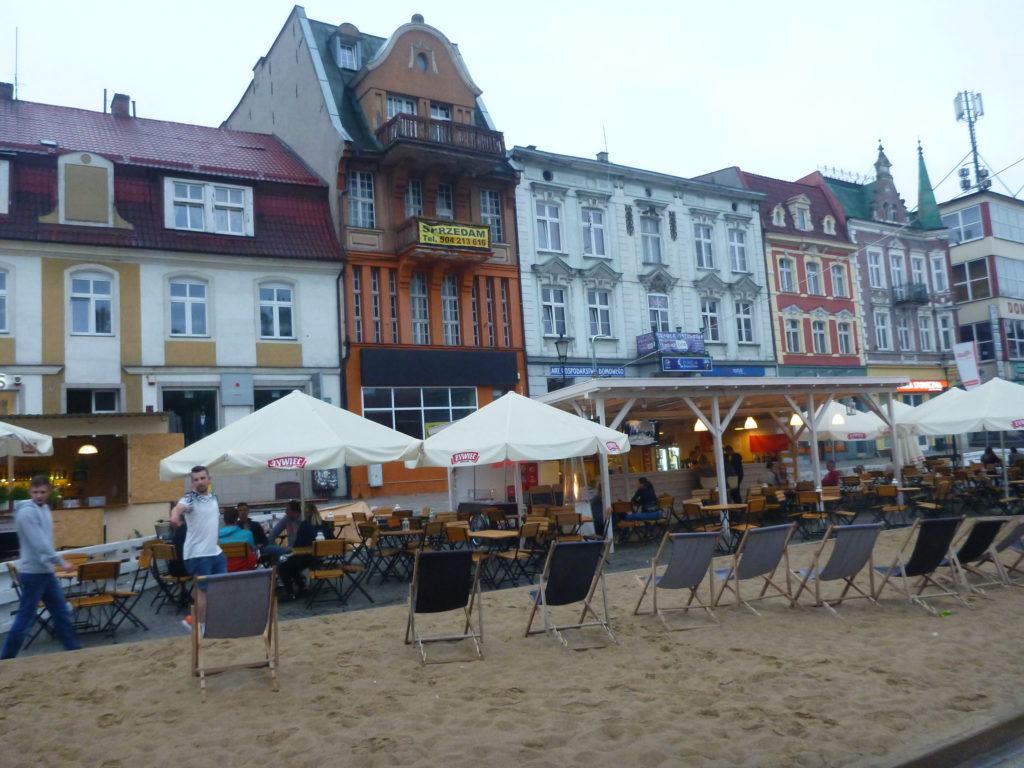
(456, 235)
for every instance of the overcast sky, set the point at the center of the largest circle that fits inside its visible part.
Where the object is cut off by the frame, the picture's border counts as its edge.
(778, 88)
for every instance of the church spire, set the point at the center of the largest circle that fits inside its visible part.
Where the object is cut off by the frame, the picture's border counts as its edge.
(927, 209)
(882, 164)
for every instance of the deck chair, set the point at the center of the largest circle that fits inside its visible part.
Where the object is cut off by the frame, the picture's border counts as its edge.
(242, 604)
(931, 549)
(687, 560)
(1004, 569)
(852, 550)
(441, 582)
(758, 556)
(978, 546)
(572, 573)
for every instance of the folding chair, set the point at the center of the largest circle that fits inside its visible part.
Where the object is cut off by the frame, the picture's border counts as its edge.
(327, 571)
(976, 547)
(240, 556)
(668, 507)
(94, 594)
(687, 561)
(572, 573)
(1013, 541)
(699, 519)
(758, 556)
(42, 619)
(127, 599)
(171, 588)
(625, 528)
(931, 549)
(441, 582)
(242, 604)
(809, 516)
(513, 563)
(748, 519)
(889, 508)
(852, 550)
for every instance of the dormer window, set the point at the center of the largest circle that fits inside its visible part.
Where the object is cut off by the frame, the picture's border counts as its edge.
(802, 219)
(86, 189)
(779, 216)
(199, 206)
(828, 224)
(348, 54)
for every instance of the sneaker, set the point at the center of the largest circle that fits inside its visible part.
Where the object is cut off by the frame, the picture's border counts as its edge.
(187, 623)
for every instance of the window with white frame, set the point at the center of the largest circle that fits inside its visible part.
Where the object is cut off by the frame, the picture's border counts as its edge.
(778, 216)
(838, 281)
(552, 302)
(828, 225)
(549, 226)
(744, 322)
(92, 304)
(940, 278)
(400, 105)
(876, 274)
(903, 331)
(918, 270)
(963, 225)
(945, 332)
(593, 232)
(981, 335)
(420, 308)
(657, 310)
(5, 186)
(702, 245)
(1007, 222)
(474, 309)
(357, 303)
(970, 281)
(80, 401)
(375, 313)
(188, 307)
(4, 327)
(490, 213)
(440, 111)
(801, 217)
(450, 310)
(896, 267)
(277, 308)
(650, 239)
(393, 302)
(348, 55)
(599, 306)
(1015, 339)
(814, 278)
(709, 320)
(413, 411)
(844, 333)
(413, 198)
(819, 336)
(445, 206)
(787, 276)
(883, 335)
(924, 333)
(738, 250)
(360, 200)
(198, 206)
(793, 342)
(1009, 274)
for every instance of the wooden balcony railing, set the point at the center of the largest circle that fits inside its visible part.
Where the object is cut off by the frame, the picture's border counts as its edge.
(459, 136)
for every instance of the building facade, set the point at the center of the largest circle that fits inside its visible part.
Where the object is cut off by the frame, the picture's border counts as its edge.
(626, 267)
(423, 203)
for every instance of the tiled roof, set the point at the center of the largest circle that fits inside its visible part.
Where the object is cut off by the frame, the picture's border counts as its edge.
(855, 198)
(150, 143)
(777, 191)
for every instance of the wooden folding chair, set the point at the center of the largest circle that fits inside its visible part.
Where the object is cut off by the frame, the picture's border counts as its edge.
(94, 595)
(442, 582)
(758, 556)
(572, 573)
(934, 537)
(686, 559)
(852, 551)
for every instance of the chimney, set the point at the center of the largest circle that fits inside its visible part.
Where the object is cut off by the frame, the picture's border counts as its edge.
(6, 91)
(120, 105)
(602, 157)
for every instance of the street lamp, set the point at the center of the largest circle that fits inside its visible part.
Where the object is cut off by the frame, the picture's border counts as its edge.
(562, 350)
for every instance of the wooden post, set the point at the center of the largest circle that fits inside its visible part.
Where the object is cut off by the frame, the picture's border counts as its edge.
(606, 483)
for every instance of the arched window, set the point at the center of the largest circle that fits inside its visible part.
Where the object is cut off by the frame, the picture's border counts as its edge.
(779, 216)
(828, 224)
(92, 303)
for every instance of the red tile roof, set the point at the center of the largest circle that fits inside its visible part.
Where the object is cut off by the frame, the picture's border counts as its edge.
(150, 143)
(778, 191)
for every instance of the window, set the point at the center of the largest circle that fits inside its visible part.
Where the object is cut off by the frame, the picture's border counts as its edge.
(415, 411)
(963, 225)
(650, 239)
(787, 278)
(91, 304)
(876, 275)
(903, 331)
(593, 232)
(490, 213)
(828, 225)
(918, 271)
(375, 304)
(738, 250)
(440, 111)
(1009, 273)
(91, 401)
(474, 308)
(657, 310)
(489, 307)
(945, 332)
(1015, 339)
(814, 278)
(360, 200)
(450, 310)
(981, 335)
(793, 334)
(5, 186)
(552, 302)
(506, 314)
(549, 226)
(702, 244)
(348, 55)
(420, 309)
(599, 304)
(709, 320)
(204, 207)
(883, 339)
(845, 336)
(276, 309)
(778, 216)
(413, 198)
(744, 322)
(1007, 222)
(899, 275)
(193, 412)
(188, 308)
(357, 303)
(802, 218)
(819, 336)
(924, 333)
(940, 280)
(400, 105)
(393, 302)
(838, 281)
(445, 208)
(3, 302)
(970, 281)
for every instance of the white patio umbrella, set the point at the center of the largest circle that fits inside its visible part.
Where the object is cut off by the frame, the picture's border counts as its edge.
(295, 432)
(835, 424)
(18, 441)
(907, 422)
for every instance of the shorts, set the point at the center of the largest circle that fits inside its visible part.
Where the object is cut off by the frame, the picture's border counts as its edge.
(210, 565)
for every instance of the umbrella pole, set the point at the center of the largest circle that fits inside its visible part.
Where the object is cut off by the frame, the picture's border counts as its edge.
(517, 482)
(1002, 452)
(10, 481)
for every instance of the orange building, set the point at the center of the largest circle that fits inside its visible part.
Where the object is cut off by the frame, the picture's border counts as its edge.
(423, 197)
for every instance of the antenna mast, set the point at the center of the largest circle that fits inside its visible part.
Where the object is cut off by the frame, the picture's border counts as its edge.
(15, 63)
(969, 108)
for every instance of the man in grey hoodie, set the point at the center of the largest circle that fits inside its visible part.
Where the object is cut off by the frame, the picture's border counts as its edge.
(34, 526)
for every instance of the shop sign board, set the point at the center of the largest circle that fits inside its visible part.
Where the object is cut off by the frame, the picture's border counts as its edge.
(672, 343)
(686, 364)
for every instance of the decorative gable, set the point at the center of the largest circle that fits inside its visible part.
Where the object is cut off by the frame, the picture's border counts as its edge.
(792, 310)
(658, 281)
(711, 285)
(745, 288)
(600, 276)
(554, 270)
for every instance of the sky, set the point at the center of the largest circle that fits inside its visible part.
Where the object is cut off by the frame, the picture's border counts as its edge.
(684, 87)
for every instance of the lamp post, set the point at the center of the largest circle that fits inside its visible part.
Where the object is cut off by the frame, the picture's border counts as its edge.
(562, 350)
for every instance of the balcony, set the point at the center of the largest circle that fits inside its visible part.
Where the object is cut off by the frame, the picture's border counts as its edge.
(414, 131)
(914, 293)
(438, 240)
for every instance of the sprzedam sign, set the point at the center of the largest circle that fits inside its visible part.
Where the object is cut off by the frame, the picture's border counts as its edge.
(458, 235)
(287, 462)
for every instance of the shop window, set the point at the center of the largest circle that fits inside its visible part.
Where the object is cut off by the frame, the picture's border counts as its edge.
(91, 401)
(193, 412)
(415, 411)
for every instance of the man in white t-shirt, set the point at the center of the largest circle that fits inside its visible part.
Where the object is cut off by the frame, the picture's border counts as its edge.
(202, 556)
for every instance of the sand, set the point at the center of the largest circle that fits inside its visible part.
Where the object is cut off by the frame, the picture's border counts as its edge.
(789, 688)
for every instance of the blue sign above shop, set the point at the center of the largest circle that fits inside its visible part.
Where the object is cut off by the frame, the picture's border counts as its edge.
(586, 370)
(671, 343)
(738, 370)
(686, 364)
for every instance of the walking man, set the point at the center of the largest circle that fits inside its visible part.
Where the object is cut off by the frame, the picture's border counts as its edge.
(203, 556)
(34, 526)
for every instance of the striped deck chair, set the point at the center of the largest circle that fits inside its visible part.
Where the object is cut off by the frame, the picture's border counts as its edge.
(852, 550)
(572, 573)
(931, 549)
(686, 558)
(242, 604)
(445, 581)
(758, 556)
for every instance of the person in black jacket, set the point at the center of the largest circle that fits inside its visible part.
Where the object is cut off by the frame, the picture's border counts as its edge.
(258, 534)
(734, 468)
(290, 570)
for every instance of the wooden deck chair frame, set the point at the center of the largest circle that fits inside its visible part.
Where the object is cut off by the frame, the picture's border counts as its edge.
(412, 636)
(538, 599)
(269, 635)
(991, 555)
(652, 580)
(733, 571)
(919, 597)
(850, 581)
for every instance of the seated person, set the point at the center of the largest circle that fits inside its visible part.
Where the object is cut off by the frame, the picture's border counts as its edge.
(233, 533)
(312, 524)
(288, 525)
(258, 534)
(306, 532)
(777, 473)
(645, 502)
(990, 460)
(832, 477)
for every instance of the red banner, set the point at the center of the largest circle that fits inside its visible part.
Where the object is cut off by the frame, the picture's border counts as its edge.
(769, 443)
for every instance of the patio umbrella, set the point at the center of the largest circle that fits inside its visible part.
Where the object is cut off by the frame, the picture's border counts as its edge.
(295, 432)
(18, 441)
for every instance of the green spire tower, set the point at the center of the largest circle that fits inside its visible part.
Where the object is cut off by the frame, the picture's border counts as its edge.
(927, 209)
